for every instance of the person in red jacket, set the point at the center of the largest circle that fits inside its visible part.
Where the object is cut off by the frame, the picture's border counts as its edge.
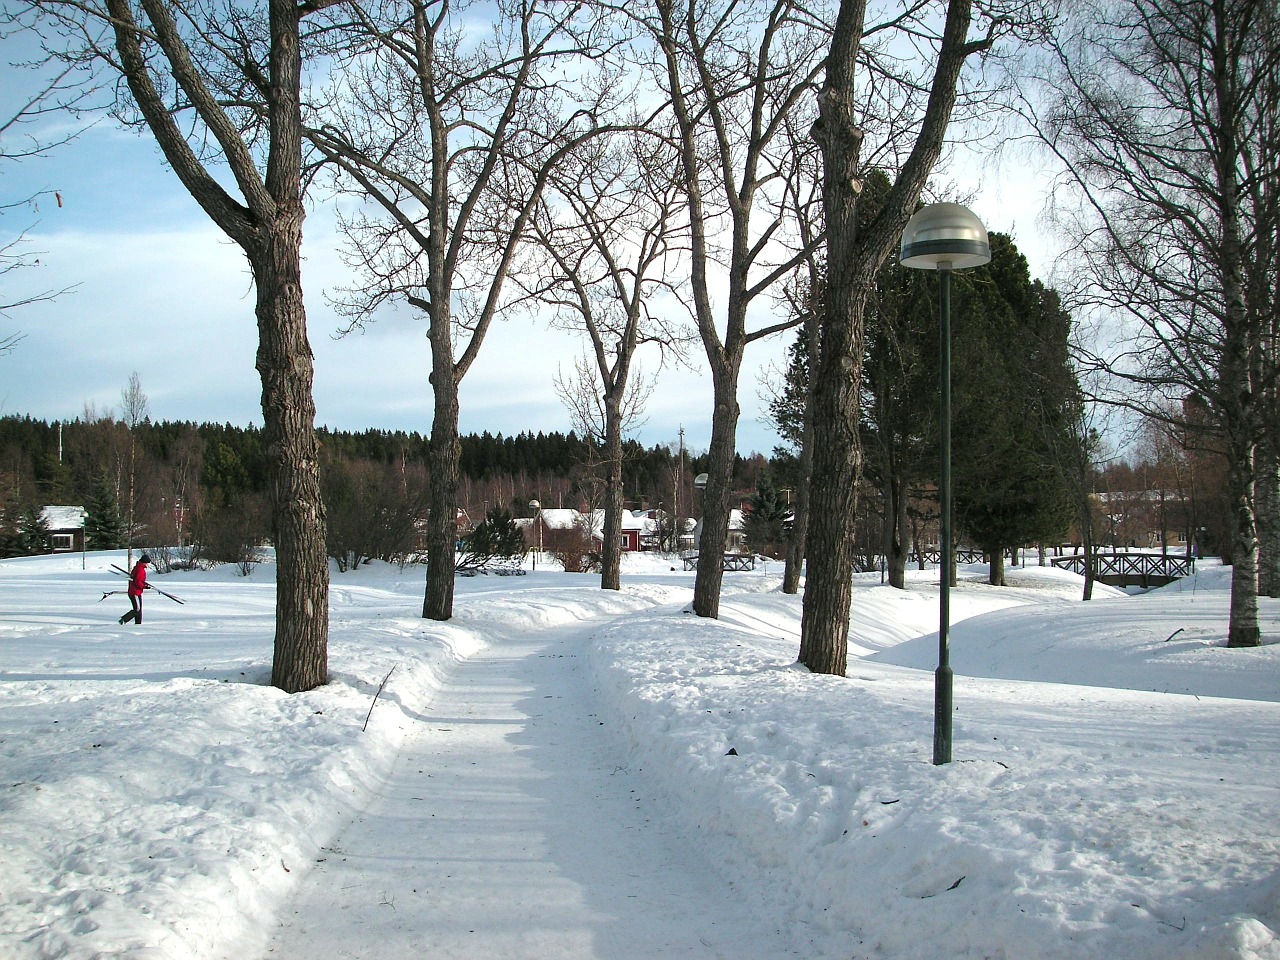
(137, 584)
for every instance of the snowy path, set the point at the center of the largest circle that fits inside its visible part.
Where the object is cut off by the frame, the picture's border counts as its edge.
(509, 828)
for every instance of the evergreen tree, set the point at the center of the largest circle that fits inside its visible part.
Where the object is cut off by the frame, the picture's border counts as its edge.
(496, 539)
(765, 524)
(1014, 388)
(899, 425)
(786, 406)
(10, 528)
(104, 528)
(33, 534)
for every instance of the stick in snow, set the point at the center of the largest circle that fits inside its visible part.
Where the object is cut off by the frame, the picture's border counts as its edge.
(377, 695)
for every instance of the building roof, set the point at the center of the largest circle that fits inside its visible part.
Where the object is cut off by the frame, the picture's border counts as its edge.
(63, 517)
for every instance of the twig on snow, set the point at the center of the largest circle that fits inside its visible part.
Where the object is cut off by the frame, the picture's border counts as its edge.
(381, 686)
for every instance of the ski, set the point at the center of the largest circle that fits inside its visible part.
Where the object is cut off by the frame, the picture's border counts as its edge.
(149, 587)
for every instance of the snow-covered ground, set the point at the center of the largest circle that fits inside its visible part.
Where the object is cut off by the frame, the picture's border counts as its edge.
(1113, 795)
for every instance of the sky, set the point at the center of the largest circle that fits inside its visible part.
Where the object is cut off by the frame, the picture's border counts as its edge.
(561, 772)
(153, 287)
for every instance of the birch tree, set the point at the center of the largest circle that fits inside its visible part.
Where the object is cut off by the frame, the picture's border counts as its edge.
(1164, 115)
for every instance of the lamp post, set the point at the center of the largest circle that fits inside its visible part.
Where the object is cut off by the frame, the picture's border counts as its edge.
(700, 484)
(536, 507)
(944, 237)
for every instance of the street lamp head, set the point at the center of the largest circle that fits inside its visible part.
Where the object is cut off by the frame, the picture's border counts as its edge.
(535, 505)
(944, 236)
(700, 481)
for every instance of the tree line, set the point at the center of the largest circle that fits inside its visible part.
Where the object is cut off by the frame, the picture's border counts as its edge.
(193, 479)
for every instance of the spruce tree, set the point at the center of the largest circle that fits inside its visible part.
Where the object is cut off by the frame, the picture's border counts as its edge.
(1014, 385)
(33, 535)
(497, 539)
(104, 527)
(766, 522)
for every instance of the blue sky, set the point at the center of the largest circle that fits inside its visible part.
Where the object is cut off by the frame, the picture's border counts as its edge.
(158, 290)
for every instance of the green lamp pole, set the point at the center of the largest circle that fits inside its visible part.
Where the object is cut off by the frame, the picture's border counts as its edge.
(536, 507)
(944, 237)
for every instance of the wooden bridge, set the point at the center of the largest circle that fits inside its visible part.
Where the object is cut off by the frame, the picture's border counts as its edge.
(730, 561)
(1130, 569)
(963, 555)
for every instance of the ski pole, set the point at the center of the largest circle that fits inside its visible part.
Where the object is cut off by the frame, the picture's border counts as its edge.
(149, 586)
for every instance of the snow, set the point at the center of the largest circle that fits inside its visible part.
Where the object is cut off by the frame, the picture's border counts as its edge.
(63, 517)
(566, 772)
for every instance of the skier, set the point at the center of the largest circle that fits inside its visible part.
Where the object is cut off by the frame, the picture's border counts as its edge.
(137, 584)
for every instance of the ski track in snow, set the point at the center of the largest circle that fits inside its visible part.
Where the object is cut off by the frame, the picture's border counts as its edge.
(511, 827)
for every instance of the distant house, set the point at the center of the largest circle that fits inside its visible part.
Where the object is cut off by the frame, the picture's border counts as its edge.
(737, 537)
(66, 527)
(554, 518)
(632, 529)
(657, 528)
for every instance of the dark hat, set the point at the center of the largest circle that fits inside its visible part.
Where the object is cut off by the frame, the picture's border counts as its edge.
(144, 559)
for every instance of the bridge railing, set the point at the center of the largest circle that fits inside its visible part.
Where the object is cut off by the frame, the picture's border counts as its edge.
(935, 556)
(1130, 569)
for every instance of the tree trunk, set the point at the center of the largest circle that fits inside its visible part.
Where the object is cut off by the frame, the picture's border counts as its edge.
(445, 454)
(285, 364)
(719, 489)
(1243, 629)
(824, 632)
(611, 546)
(1240, 401)
(1089, 550)
(292, 452)
(301, 659)
(837, 375)
(898, 533)
(796, 545)
(1267, 500)
(852, 263)
(995, 570)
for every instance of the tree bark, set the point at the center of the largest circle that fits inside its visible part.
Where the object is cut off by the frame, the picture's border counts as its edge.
(824, 633)
(445, 455)
(716, 497)
(899, 531)
(285, 365)
(611, 545)
(852, 264)
(293, 469)
(1267, 499)
(995, 569)
(1240, 398)
(1242, 628)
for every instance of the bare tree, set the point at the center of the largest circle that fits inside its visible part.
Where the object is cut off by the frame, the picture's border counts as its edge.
(452, 138)
(854, 257)
(602, 420)
(135, 410)
(66, 90)
(611, 234)
(1165, 114)
(737, 74)
(220, 89)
